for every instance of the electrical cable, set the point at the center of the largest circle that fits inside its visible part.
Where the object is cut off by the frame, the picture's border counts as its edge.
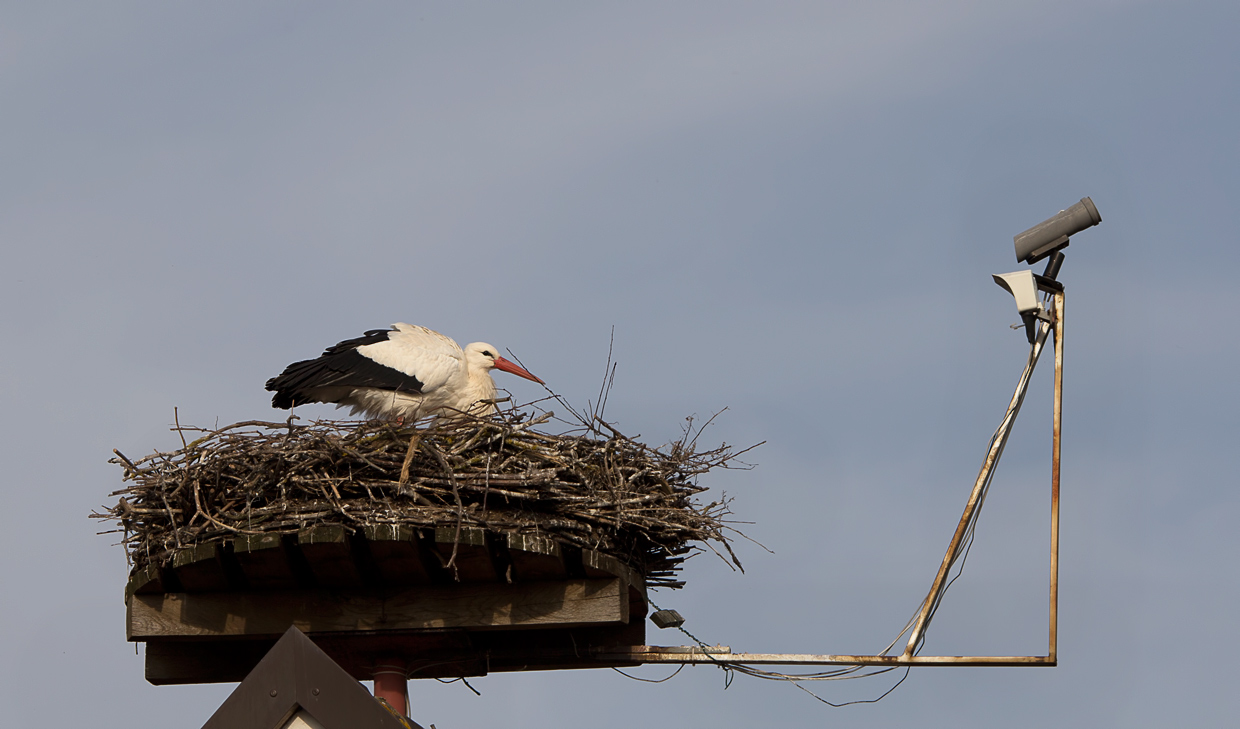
(651, 680)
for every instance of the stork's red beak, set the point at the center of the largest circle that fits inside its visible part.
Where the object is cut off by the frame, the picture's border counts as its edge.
(505, 365)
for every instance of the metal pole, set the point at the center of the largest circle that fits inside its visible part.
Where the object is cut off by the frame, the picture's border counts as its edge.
(392, 684)
(1052, 649)
(695, 655)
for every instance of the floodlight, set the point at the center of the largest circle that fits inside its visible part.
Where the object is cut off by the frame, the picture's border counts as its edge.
(667, 619)
(1022, 286)
(1052, 234)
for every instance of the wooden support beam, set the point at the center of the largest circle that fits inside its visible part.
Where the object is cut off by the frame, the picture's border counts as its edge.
(201, 568)
(480, 607)
(397, 554)
(535, 558)
(264, 562)
(468, 553)
(330, 555)
(147, 580)
(181, 662)
(430, 654)
(597, 565)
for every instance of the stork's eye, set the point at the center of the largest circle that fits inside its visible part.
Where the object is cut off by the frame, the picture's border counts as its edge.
(489, 353)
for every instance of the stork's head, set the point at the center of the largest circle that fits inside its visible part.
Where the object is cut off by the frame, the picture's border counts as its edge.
(486, 356)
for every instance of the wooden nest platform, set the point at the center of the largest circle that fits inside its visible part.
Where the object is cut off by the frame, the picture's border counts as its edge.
(373, 538)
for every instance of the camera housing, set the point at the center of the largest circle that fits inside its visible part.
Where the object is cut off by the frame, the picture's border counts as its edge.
(1052, 234)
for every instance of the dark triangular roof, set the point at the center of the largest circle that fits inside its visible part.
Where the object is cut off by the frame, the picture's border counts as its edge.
(297, 673)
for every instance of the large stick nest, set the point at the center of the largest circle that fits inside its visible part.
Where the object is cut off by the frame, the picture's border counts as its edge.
(595, 488)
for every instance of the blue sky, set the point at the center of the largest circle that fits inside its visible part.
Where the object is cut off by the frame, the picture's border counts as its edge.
(791, 210)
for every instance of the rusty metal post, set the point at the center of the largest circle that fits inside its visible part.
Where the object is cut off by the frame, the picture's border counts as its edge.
(1052, 649)
(719, 655)
(392, 684)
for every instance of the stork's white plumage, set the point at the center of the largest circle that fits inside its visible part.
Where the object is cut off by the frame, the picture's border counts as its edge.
(407, 372)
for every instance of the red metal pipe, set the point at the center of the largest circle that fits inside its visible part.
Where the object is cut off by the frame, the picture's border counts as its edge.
(392, 684)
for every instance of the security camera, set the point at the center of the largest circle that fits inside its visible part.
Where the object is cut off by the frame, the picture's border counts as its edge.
(1052, 234)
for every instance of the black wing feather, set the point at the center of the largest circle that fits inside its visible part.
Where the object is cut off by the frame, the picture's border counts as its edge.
(339, 366)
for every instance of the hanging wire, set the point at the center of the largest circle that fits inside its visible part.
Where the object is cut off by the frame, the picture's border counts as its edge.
(650, 680)
(462, 680)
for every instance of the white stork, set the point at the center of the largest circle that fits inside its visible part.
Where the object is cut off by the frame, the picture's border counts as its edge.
(406, 372)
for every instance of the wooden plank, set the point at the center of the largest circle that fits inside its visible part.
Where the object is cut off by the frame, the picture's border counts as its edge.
(264, 562)
(638, 602)
(431, 654)
(598, 564)
(180, 662)
(472, 561)
(397, 554)
(184, 662)
(145, 581)
(535, 558)
(479, 607)
(330, 556)
(560, 649)
(200, 568)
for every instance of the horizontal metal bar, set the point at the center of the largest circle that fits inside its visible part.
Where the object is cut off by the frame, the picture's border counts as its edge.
(694, 655)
